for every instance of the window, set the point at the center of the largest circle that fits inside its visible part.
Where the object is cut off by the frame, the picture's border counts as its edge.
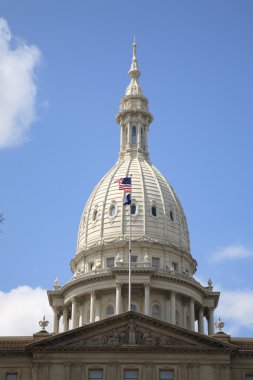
(155, 262)
(11, 376)
(95, 374)
(112, 210)
(134, 135)
(156, 311)
(133, 307)
(142, 136)
(95, 215)
(110, 262)
(91, 265)
(134, 259)
(249, 377)
(171, 216)
(131, 375)
(153, 210)
(110, 310)
(166, 375)
(133, 208)
(175, 266)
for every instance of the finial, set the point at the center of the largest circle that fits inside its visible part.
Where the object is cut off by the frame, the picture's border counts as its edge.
(134, 72)
(219, 324)
(134, 49)
(43, 323)
(210, 285)
(56, 284)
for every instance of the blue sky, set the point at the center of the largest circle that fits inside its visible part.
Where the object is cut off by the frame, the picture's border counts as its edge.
(68, 64)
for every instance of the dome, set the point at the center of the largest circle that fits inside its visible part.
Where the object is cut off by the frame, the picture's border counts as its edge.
(134, 256)
(157, 215)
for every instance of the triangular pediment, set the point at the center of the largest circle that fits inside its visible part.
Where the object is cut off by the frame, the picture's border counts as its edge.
(132, 331)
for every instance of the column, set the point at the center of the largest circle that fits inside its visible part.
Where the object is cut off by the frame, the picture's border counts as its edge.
(201, 321)
(118, 298)
(147, 299)
(211, 321)
(192, 315)
(129, 135)
(173, 307)
(185, 309)
(56, 320)
(167, 309)
(92, 305)
(121, 137)
(74, 313)
(138, 135)
(65, 318)
(81, 313)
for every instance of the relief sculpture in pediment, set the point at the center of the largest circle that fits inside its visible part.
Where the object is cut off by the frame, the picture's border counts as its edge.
(130, 334)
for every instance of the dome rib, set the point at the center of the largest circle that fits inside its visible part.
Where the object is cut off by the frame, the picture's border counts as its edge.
(92, 199)
(118, 165)
(143, 198)
(162, 199)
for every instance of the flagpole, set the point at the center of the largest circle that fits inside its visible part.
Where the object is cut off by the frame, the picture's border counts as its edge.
(129, 261)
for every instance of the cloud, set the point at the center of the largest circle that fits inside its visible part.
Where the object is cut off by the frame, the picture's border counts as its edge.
(231, 252)
(17, 87)
(236, 309)
(21, 309)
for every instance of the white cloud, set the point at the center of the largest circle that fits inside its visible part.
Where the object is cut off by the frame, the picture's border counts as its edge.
(231, 252)
(17, 87)
(236, 310)
(21, 309)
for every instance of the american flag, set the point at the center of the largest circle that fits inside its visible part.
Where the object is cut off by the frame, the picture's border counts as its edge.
(125, 184)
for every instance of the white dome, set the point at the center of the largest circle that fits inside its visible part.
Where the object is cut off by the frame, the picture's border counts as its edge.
(105, 219)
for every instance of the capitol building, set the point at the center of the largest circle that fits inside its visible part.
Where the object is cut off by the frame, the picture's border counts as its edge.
(132, 309)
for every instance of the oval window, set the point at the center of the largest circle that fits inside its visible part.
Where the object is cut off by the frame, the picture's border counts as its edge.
(133, 208)
(112, 210)
(95, 215)
(153, 210)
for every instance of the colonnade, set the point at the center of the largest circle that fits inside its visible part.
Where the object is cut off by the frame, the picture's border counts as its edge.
(187, 318)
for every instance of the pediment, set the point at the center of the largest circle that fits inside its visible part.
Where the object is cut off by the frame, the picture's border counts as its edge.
(130, 331)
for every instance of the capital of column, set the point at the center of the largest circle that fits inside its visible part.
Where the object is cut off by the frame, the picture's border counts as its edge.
(118, 285)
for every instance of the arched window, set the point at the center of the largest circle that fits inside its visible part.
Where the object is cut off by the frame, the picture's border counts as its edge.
(133, 208)
(110, 310)
(156, 311)
(134, 135)
(154, 211)
(112, 210)
(133, 307)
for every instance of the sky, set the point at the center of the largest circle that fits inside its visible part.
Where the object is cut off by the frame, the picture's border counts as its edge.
(63, 70)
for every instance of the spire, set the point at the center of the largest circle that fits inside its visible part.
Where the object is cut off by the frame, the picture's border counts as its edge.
(134, 73)
(134, 117)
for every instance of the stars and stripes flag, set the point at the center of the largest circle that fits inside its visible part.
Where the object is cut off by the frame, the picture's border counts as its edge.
(125, 184)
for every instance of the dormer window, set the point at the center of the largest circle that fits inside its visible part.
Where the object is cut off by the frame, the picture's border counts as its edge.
(112, 210)
(134, 135)
(133, 208)
(95, 215)
(154, 211)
